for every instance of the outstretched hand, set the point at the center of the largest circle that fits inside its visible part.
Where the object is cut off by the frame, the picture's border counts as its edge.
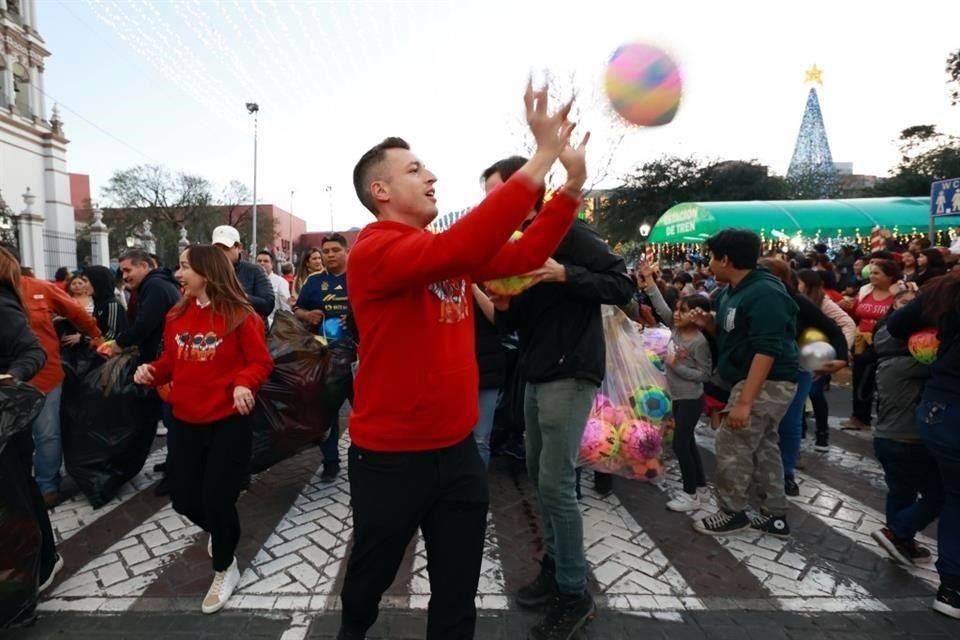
(574, 160)
(551, 131)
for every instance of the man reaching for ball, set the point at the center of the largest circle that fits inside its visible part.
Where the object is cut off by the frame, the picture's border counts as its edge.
(413, 462)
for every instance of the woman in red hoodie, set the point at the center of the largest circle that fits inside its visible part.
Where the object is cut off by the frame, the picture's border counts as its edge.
(215, 354)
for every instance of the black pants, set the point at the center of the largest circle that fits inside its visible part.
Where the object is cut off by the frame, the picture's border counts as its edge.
(821, 410)
(864, 384)
(686, 413)
(442, 492)
(208, 464)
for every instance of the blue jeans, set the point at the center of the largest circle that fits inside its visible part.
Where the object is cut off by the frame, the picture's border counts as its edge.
(938, 422)
(791, 425)
(914, 490)
(556, 414)
(48, 443)
(481, 431)
(821, 410)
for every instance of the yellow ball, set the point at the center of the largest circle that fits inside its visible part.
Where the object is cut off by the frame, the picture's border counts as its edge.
(812, 335)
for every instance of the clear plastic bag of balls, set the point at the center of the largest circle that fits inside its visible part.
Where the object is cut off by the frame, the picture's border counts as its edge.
(631, 420)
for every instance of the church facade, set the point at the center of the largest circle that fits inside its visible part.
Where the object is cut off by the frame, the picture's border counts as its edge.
(33, 174)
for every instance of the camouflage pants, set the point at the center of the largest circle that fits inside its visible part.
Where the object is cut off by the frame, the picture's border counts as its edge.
(753, 453)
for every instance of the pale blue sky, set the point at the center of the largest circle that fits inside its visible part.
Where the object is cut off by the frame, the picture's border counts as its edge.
(169, 79)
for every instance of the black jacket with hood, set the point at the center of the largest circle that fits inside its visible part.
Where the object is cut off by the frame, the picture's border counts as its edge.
(559, 324)
(156, 295)
(21, 355)
(107, 310)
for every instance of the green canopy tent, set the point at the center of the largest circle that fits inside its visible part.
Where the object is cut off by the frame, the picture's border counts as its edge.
(696, 221)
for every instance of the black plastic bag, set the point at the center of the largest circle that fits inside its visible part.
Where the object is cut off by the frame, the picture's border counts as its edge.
(108, 422)
(292, 406)
(20, 403)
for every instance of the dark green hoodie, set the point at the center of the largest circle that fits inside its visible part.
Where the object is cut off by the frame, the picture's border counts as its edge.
(756, 316)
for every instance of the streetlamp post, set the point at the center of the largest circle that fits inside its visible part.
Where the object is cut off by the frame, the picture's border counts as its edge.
(254, 109)
(329, 190)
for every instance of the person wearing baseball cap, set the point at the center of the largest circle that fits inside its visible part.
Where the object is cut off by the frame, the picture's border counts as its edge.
(252, 278)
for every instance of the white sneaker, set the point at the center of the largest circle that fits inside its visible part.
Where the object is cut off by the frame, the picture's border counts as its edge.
(210, 546)
(684, 502)
(704, 494)
(224, 582)
(57, 566)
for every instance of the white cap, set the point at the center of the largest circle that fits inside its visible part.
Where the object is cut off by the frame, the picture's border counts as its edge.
(226, 235)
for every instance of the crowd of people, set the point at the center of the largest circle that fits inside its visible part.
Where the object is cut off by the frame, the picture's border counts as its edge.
(429, 378)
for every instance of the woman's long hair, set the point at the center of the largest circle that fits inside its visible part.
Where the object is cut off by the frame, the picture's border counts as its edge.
(303, 271)
(10, 272)
(227, 297)
(941, 296)
(936, 266)
(813, 283)
(103, 283)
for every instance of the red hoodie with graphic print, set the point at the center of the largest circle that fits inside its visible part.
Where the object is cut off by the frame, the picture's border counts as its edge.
(205, 363)
(410, 289)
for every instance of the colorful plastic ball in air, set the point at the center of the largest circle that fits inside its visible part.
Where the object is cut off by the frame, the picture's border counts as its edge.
(812, 335)
(600, 442)
(643, 84)
(656, 361)
(651, 402)
(656, 340)
(923, 346)
(511, 285)
(640, 440)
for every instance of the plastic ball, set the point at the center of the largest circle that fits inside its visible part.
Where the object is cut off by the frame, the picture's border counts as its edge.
(614, 415)
(656, 361)
(812, 335)
(815, 355)
(654, 469)
(655, 340)
(643, 84)
(333, 329)
(923, 346)
(865, 272)
(600, 402)
(651, 402)
(511, 285)
(600, 442)
(640, 440)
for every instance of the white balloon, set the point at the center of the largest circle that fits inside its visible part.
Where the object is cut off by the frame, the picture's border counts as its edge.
(814, 355)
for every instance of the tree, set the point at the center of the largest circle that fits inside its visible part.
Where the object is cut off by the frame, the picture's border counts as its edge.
(658, 185)
(953, 75)
(237, 201)
(169, 200)
(926, 155)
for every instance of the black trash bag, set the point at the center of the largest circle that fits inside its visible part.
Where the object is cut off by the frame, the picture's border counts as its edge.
(291, 407)
(108, 423)
(21, 539)
(20, 403)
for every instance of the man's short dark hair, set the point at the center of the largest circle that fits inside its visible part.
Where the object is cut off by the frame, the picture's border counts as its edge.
(286, 268)
(264, 252)
(60, 276)
(820, 247)
(741, 246)
(363, 171)
(138, 257)
(334, 237)
(923, 242)
(506, 168)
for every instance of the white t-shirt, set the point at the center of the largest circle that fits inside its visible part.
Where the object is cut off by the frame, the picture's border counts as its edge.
(281, 292)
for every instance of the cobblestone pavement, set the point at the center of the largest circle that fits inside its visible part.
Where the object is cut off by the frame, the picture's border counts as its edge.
(135, 568)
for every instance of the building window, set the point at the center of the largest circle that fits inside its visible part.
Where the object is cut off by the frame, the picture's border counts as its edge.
(21, 88)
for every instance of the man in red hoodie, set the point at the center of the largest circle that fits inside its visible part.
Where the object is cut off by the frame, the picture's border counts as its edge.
(413, 462)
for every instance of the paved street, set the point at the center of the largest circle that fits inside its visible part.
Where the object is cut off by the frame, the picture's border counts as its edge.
(136, 569)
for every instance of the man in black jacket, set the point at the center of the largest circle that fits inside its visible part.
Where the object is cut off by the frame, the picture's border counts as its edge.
(252, 278)
(564, 362)
(157, 292)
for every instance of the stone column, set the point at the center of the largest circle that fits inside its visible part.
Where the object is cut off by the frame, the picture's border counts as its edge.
(41, 99)
(6, 83)
(99, 240)
(31, 237)
(183, 242)
(147, 239)
(32, 98)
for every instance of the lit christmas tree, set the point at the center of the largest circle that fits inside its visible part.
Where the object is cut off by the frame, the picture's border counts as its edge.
(812, 173)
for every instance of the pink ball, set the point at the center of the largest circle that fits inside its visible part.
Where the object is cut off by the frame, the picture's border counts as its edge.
(600, 442)
(640, 441)
(643, 84)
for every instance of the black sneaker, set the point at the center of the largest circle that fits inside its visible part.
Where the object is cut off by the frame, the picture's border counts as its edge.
(948, 602)
(723, 523)
(566, 616)
(822, 445)
(906, 552)
(774, 525)
(790, 487)
(542, 589)
(602, 483)
(330, 473)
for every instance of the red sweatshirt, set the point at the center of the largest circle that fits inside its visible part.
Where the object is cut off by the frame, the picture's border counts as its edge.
(43, 299)
(416, 387)
(205, 363)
